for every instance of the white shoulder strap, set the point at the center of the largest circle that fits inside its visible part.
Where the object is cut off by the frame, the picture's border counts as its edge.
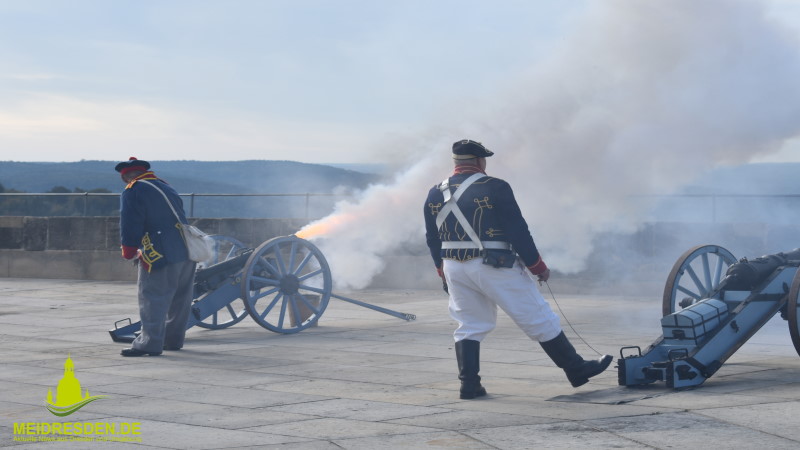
(165, 198)
(451, 206)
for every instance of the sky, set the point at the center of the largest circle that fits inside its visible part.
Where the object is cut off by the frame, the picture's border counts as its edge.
(304, 80)
(640, 99)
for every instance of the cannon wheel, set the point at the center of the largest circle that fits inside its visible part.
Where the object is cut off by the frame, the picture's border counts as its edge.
(225, 248)
(286, 284)
(705, 265)
(792, 312)
(231, 314)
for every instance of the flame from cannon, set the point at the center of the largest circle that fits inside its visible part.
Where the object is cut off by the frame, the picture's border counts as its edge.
(325, 226)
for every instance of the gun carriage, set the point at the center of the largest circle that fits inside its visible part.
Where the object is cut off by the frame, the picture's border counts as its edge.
(284, 284)
(708, 317)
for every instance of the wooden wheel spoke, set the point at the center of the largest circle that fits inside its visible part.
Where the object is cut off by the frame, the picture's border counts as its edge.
(696, 280)
(295, 309)
(225, 317)
(280, 261)
(718, 271)
(312, 289)
(308, 304)
(292, 252)
(265, 281)
(707, 272)
(258, 295)
(303, 263)
(283, 314)
(689, 293)
(309, 275)
(264, 262)
(230, 310)
(272, 305)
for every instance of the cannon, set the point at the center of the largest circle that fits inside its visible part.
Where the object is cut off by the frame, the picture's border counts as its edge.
(284, 285)
(707, 317)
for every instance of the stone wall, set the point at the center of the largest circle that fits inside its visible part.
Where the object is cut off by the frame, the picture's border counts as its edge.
(87, 248)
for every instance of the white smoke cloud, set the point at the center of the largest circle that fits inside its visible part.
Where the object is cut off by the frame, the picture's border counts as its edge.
(641, 98)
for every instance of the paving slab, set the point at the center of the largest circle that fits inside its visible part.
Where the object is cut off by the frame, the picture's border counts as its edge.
(365, 380)
(201, 414)
(560, 435)
(361, 410)
(335, 428)
(443, 440)
(688, 429)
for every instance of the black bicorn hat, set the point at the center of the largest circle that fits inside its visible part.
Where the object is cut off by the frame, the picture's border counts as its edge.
(131, 163)
(468, 149)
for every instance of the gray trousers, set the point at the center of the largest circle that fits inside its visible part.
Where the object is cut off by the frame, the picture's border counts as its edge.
(165, 299)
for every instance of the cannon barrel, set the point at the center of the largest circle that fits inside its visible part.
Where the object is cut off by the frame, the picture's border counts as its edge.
(746, 274)
(209, 278)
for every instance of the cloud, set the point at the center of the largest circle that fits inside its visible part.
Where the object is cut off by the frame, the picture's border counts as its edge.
(47, 127)
(53, 117)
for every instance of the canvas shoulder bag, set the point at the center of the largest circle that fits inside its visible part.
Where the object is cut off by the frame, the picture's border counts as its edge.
(199, 245)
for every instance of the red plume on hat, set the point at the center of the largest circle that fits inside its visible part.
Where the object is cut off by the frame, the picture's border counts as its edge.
(132, 164)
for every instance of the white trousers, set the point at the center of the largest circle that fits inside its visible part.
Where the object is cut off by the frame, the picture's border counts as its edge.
(476, 290)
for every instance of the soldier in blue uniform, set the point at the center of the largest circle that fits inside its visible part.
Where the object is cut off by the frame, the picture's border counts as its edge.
(150, 235)
(484, 252)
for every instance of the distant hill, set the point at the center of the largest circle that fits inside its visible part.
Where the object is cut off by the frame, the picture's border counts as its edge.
(223, 177)
(188, 177)
(379, 169)
(245, 177)
(288, 177)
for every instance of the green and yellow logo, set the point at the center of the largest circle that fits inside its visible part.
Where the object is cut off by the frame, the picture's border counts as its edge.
(69, 397)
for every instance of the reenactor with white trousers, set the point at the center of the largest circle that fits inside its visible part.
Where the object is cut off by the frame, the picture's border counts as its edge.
(486, 257)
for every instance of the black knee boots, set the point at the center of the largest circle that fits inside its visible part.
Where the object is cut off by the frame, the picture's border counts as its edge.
(468, 354)
(578, 371)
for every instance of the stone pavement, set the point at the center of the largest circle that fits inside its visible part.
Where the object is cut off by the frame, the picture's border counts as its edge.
(366, 380)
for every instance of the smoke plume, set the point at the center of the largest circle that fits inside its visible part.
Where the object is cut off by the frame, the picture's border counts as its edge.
(639, 98)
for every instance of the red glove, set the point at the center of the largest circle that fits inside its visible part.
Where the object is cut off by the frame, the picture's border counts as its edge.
(129, 252)
(540, 270)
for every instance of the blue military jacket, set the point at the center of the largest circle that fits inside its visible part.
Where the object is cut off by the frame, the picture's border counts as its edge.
(147, 222)
(492, 210)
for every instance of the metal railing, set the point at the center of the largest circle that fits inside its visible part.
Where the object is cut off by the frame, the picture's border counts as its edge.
(81, 203)
(307, 199)
(723, 208)
(702, 208)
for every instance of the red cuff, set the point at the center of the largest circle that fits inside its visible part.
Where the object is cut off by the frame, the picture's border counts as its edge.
(538, 268)
(129, 252)
(440, 271)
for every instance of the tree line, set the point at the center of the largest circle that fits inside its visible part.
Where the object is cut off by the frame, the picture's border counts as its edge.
(58, 205)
